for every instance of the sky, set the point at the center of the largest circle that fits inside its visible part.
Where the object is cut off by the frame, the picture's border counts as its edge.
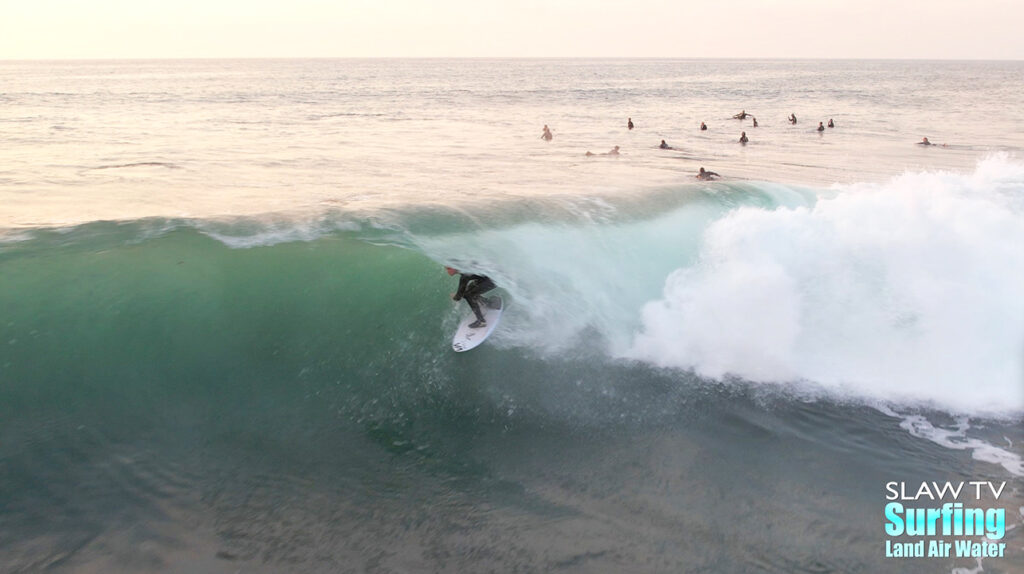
(912, 29)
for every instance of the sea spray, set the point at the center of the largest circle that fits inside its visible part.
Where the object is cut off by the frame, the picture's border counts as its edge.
(907, 290)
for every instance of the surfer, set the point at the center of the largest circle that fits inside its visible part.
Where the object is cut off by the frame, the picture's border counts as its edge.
(703, 127)
(665, 145)
(742, 115)
(743, 138)
(831, 124)
(706, 175)
(821, 127)
(629, 124)
(925, 142)
(613, 151)
(792, 118)
(472, 288)
(755, 122)
(546, 136)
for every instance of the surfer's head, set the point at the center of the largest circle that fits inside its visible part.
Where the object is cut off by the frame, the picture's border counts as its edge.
(451, 270)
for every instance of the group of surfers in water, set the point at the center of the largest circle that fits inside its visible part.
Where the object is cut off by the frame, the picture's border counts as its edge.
(546, 135)
(702, 174)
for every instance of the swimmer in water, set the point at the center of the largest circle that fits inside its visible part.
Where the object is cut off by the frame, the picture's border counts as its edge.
(755, 122)
(821, 127)
(614, 151)
(665, 145)
(629, 124)
(546, 136)
(925, 141)
(742, 115)
(703, 127)
(831, 124)
(706, 175)
(743, 138)
(792, 118)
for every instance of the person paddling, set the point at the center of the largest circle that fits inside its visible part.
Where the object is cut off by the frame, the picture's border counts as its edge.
(706, 175)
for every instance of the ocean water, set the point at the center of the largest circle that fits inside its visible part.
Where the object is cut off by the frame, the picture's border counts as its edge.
(225, 326)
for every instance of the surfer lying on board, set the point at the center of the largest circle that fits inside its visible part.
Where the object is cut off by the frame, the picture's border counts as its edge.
(706, 175)
(472, 289)
(614, 151)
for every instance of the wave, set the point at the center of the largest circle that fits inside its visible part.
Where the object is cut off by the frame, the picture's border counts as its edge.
(905, 291)
(138, 164)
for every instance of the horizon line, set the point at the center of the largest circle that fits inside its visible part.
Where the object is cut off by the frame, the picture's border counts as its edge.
(666, 58)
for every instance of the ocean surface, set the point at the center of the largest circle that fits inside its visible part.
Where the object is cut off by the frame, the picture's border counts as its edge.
(225, 325)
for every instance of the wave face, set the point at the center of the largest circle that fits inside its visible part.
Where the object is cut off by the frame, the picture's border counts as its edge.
(906, 291)
(98, 311)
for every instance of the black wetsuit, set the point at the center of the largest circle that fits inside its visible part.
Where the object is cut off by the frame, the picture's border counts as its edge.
(471, 288)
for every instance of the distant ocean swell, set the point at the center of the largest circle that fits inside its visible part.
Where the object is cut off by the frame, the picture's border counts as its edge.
(906, 292)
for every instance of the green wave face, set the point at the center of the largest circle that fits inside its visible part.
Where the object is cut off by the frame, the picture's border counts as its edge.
(184, 316)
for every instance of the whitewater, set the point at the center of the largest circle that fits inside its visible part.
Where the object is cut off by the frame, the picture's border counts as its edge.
(225, 331)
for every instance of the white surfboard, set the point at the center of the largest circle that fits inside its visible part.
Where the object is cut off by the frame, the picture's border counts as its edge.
(467, 338)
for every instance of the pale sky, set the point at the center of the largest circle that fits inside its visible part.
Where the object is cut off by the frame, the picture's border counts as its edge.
(936, 29)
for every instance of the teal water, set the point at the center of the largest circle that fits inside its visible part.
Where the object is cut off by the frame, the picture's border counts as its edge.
(225, 336)
(172, 402)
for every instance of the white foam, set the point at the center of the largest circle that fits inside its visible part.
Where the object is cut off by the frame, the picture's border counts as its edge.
(909, 290)
(976, 570)
(252, 232)
(957, 439)
(15, 236)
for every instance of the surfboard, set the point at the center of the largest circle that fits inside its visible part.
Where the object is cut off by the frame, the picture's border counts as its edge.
(467, 338)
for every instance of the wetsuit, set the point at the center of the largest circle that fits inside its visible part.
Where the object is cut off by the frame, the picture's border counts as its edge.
(471, 288)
